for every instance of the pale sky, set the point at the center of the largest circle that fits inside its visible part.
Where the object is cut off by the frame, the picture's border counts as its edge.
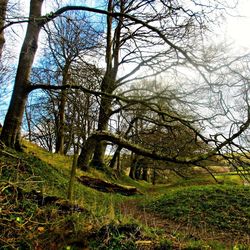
(238, 28)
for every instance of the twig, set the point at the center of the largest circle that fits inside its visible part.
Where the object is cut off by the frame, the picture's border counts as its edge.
(9, 154)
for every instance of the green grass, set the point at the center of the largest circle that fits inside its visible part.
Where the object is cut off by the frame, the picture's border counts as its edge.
(25, 222)
(229, 178)
(216, 207)
(29, 225)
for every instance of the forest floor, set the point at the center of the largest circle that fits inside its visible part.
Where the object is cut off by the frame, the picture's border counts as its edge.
(181, 214)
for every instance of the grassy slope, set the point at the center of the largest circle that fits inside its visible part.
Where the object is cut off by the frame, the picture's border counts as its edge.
(215, 207)
(30, 225)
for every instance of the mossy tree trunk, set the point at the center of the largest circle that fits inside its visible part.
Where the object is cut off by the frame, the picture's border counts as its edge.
(86, 153)
(104, 115)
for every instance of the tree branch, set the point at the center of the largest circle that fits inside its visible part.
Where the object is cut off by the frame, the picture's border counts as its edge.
(116, 139)
(146, 102)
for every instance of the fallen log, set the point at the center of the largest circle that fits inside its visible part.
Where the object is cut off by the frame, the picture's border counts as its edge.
(108, 187)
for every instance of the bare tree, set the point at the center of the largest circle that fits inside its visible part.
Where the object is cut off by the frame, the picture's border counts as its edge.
(40, 117)
(134, 43)
(80, 109)
(71, 39)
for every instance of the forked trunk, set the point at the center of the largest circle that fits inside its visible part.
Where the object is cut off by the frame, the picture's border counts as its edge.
(109, 81)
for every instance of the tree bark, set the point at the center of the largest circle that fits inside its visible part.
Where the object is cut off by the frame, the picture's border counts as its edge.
(115, 159)
(145, 172)
(86, 154)
(99, 153)
(105, 105)
(28, 120)
(61, 124)
(3, 8)
(12, 125)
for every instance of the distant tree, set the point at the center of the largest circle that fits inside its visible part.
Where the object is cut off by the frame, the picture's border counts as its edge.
(166, 135)
(80, 109)
(40, 117)
(71, 40)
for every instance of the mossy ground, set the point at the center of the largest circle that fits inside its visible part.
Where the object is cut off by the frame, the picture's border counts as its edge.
(29, 223)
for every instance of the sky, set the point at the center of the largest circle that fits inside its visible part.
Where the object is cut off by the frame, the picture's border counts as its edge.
(237, 27)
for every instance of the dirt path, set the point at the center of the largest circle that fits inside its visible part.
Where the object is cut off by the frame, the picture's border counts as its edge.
(178, 233)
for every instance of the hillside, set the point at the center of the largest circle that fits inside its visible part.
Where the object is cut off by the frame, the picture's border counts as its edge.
(35, 212)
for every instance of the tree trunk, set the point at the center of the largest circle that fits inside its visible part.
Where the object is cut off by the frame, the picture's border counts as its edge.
(10, 135)
(13, 120)
(109, 80)
(3, 7)
(61, 124)
(133, 166)
(145, 172)
(28, 120)
(99, 154)
(86, 153)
